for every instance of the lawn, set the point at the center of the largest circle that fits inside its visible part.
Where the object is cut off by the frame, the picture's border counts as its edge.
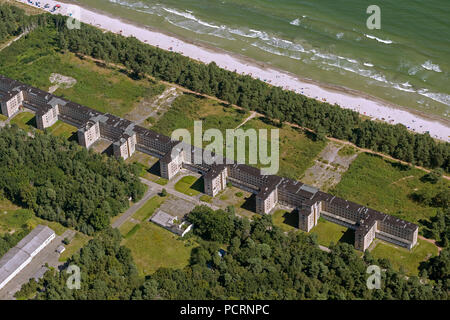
(126, 227)
(78, 241)
(25, 121)
(188, 107)
(153, 247)
(243, 205)
(62, 129)
(297, 149)
(286, 220)
(403, 258)
(328, 232)
(387, 187)
(206, 198)
(3, 117)
(186, 185)
(149, 208)
(34, 58)
(13, 218)
(149, 167)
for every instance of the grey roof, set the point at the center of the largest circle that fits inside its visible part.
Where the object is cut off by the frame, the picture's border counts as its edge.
(18, 255)
(35, 239)
(162, 218)
(265, 184)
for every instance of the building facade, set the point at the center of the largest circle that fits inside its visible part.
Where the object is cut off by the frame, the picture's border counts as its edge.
(269, 190)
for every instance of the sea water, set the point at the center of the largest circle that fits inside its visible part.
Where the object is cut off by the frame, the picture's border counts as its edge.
(406, 62)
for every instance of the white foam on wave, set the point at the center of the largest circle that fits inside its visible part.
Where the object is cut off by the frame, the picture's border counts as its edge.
(190, 16)
(272, 50)
(439, 97)
(295, 22)
(281, 47)
(431, 67)
(378, 39)
(137, 5)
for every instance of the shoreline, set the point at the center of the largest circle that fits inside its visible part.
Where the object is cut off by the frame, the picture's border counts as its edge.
(365, 104)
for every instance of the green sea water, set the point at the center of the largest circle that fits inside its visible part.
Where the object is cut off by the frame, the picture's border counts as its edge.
(406, 62)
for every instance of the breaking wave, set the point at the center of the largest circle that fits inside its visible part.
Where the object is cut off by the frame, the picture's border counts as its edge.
(431, 67)
(378, 39)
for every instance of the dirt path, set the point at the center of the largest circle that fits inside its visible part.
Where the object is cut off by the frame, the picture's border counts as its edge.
(250, 117)
(14, 40)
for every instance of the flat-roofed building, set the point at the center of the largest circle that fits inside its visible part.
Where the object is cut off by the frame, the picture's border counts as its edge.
(21, 255)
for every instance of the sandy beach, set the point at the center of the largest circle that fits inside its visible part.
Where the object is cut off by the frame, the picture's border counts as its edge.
(365, 105)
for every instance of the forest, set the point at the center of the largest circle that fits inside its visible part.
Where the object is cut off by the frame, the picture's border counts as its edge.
(258, 261)
(249, 93)
(14, 21)
(61, 181)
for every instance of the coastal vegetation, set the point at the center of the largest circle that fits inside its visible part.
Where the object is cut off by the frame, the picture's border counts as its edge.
(34, 58)
(81, 189)
(259, 261)
(392, 188)
(13, 21)
(252, 94)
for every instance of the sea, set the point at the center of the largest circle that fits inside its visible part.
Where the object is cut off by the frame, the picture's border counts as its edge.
(405, 62)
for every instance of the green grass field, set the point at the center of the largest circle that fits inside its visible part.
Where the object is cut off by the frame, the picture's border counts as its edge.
(328, 232)
(386, 186)
(149, 208)
(25, 121)
(206, 198)
(286, 220)
(409, 261)
(297, 149)
(78, 241)
(13, 218)
(154, 247)
(187, 108)
(3, 117)
(62, 129)
(185, 185)
(33, 59)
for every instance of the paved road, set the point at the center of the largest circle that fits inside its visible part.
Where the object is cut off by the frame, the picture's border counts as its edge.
(47, 255)
(127, 214)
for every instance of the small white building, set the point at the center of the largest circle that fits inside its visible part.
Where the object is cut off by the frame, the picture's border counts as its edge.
(171, 223)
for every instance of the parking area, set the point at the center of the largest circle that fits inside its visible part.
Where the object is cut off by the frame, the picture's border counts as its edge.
(177, 207)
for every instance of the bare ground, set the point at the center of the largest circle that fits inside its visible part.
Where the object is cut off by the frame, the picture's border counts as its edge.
(60, 81)
(328, 167)
(154, 107)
